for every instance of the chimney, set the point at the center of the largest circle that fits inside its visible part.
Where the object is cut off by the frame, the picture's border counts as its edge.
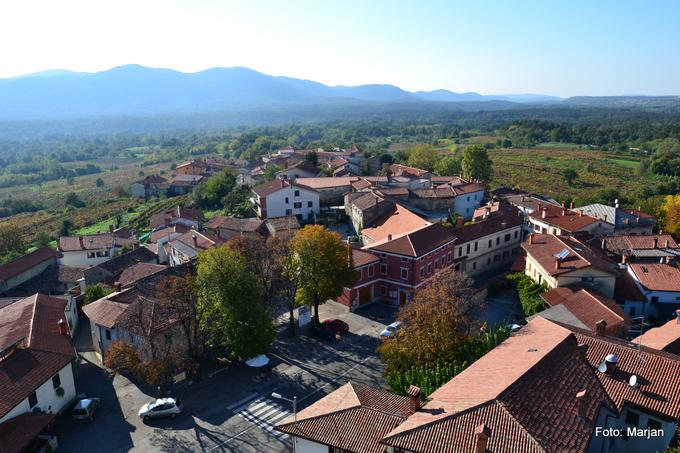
(582, 350)
(604, 244)
(612, 363)
(655, 242)
(63, 327)
(557, 263)
(564, 211)
(459, 222)
(531, 239)
(540, 206)
(111, 229)
(600, 328)
(564, 205)
(605, 218)
(389, 237)
(118, 286)
(523, 198)
(571, 205)
(666, 244)
(582, 398)
(414, 398)
(482, 435)
(193, 238)
(580, 213)
(80, 240)
(677, 316)
(544, 213)
(667, 259)
(624, 259)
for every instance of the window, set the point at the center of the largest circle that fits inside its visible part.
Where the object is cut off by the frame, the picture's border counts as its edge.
(653, 424)
(297, 193)
(467, 249)
(56, 381)
(370, 271)
(289, 212)
(383, 268)
(460, 251)
(515, 234)
(404, 273)
(498, 240)
(655, 299)
(490, 243)
(404, 260)
(507, 237)
(297, 205)
(286, 200)
(310, 204)
(442, 261)
(383, 290)
(474, 265)
(91, 254)
(476, 244)
(32, 400)
(468, 198)
(448, 257)
(422, 272)
(496, 258)
(360, 274)
(632, 418)
(488, 261)
(587, 279)
(108, 334)
(429, 268)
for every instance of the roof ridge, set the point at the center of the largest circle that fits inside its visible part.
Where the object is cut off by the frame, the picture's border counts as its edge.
(30, 328)
(592, 296)
(559, 238)
(524, 428)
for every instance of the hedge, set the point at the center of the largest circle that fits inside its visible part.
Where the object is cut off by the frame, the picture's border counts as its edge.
(529, 293)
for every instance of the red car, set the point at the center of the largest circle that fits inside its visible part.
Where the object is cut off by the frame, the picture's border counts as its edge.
(337, 326)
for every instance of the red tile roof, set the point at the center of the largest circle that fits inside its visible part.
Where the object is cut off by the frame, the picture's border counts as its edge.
(268, 188)
(416, 243)
(626, 244)
(18, 432)
(26, 262)
(501, 219)
(546, 246)
(249, 225)
(657, 276)
(178, 212)
(664, 338)
(105, 312)
(362, 258)
(34, 348)
(178, 228)
(138, 271)
(588, 307)
(569, 222)
(364, 413)
(404, 170)
(396, 222)
(92, 242)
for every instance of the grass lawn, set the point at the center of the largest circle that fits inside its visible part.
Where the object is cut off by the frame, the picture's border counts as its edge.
(634, 164)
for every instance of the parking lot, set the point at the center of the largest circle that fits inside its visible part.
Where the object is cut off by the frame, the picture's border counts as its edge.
(234, 410)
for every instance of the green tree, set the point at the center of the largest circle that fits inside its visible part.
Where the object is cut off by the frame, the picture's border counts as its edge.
(236, 322)
(11, 242)
(43, 239)
(448, 166)
(94, 292)
(569, 175)
(423, 156)
(210, 194)
(476, 163)
(100, 182)
(320, 266)
(312, 158)
(72, 199)
(66, 227)
(271, 171)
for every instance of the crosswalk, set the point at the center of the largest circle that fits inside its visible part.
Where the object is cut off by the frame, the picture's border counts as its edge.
(263, 412)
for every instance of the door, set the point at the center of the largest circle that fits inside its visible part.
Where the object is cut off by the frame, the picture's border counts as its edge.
(402, 298)
(364, 295)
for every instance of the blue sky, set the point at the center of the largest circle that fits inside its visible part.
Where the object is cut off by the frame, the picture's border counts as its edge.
(562, 48)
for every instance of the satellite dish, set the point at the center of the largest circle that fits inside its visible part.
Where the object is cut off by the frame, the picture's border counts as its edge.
(602, 367)
(633, 381)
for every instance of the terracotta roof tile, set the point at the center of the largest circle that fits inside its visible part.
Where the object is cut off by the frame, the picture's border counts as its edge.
(404, 170)
(418, 242)
(249, 225)
(91, 242)
(397, 223)
(178, 212)
(664, 338)
(363, 258)
(177, 229)
(138, 271)
(505, 218)
(26, 262)
(656, 276)
(569, 222)
(18, 432)
(546, 246)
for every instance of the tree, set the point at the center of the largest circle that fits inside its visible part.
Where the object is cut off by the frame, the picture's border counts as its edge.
(271, 171)
(423, 156)
(43, 239)
(11, 242)
(262, 263)
(237, 203)
(122, 356)
(65, 227)
(94, 292)
(235, 321)
(312, 158)
(320, 266)
(436, 323)
(476, 163)
(100, 182)
(386, 170)
(670, 211)
(569, 175)
(210, 194)
(72, 199)
(449, 165)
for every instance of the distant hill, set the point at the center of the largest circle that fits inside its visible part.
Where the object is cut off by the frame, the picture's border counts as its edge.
(632, 102)
(135, 90)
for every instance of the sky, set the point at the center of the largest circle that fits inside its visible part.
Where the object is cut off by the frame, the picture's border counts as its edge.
(556, 47)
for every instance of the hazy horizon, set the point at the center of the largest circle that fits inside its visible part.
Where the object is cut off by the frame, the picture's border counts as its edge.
(580, 48)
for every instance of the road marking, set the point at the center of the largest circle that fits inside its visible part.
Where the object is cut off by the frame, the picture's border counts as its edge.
(265, 414)
(243, 401)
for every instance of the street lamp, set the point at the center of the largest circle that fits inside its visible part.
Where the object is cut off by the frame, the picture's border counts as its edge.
(294, 401)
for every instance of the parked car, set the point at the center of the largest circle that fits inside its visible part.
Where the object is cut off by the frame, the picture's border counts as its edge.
(85, 409)
(336, 325)
(322, 331)
(391, 330)
(163, 407)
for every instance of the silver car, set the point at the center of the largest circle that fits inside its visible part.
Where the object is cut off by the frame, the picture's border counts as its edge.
(85, 409)
(163, 407)
(391, 330)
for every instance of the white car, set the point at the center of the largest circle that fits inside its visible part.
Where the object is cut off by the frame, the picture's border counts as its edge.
(391, 330)
(163, 407)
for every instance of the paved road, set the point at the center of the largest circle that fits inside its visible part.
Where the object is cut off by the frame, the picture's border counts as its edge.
(233, 411)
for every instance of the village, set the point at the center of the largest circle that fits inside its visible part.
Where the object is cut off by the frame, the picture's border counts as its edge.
(342, 243)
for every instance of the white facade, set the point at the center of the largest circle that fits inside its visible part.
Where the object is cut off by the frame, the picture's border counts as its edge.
(489, 252)
(87, 258)
(46, 395)
(649, 307)
(598, 228)
(604, 441)
(307, 446)
(290, 200)
(465, 205)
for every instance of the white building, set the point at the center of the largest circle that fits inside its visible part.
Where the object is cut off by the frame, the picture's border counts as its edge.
(35, 338)
(279, 198)
(660, 286)
(91, 250)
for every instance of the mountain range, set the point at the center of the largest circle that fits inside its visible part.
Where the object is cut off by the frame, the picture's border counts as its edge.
(137, 90)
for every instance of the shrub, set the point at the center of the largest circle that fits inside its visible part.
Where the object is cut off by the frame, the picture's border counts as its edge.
(529, 292)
